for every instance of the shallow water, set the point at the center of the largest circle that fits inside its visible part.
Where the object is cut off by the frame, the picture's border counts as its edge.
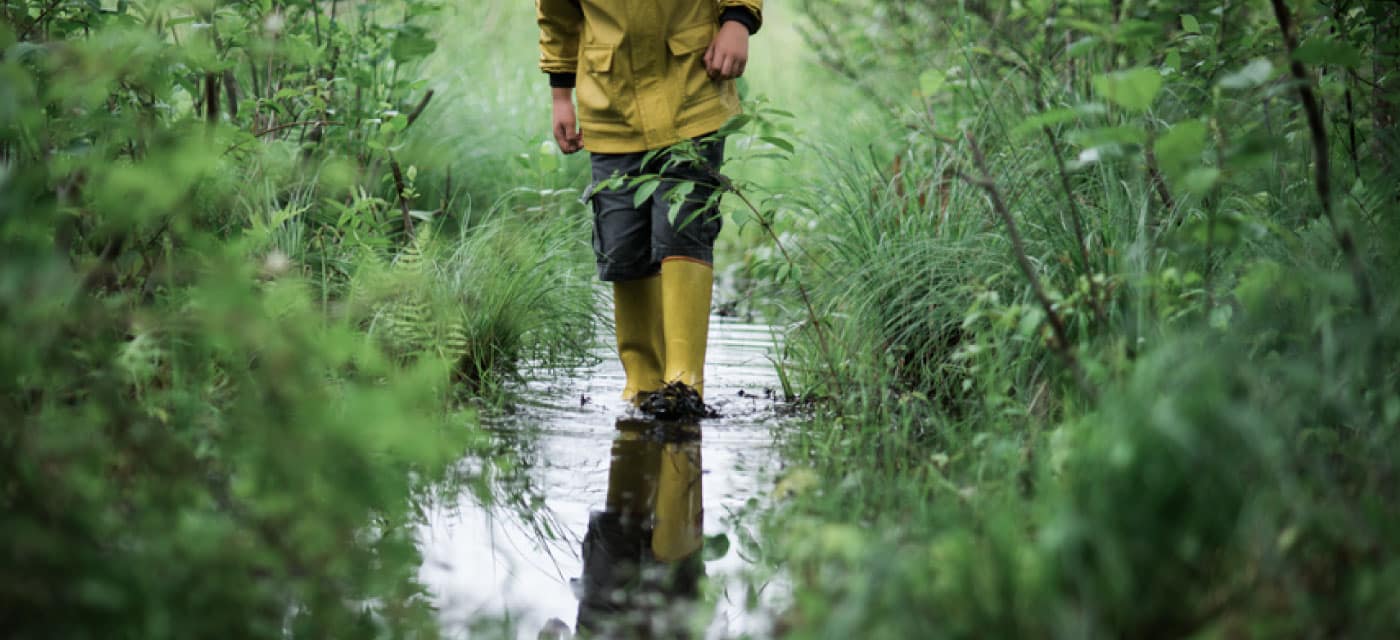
(494, 564)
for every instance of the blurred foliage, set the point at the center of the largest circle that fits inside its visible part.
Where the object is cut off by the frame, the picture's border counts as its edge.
(217, 420)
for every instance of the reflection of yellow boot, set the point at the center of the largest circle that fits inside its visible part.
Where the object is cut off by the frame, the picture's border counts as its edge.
(632, 473)
(685, 300)
(637, 313)
(678, 532)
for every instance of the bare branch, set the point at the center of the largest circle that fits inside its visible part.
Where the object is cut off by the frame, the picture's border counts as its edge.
(1322, 164)
(403, 203)
(1062, 344)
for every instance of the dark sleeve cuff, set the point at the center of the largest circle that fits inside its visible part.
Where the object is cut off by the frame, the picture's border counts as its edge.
(562, 80)
(742, 16)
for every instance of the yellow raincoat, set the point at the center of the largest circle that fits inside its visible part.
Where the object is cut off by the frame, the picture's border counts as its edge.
(641, 80)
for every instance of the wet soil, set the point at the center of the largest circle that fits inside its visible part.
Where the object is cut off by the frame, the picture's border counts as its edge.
(599, 476)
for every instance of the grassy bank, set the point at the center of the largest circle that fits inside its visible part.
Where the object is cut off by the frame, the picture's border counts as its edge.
(1164, 404)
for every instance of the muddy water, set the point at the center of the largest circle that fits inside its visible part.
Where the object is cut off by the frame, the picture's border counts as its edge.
(524, 565)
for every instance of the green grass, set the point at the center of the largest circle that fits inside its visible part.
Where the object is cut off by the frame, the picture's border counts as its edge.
(1237, 403)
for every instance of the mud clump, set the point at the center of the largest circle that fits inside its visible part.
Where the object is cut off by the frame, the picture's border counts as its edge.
(676, 401)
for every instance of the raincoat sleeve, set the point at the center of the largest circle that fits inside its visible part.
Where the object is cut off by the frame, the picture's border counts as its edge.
(753, 6)
(560, 21)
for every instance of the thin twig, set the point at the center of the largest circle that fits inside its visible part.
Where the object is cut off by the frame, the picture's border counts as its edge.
(1076, 219)
(39, 20)
(289, 125)
(1154, 175)
(1339, 28)
(280, 127)
(418, 111)
(767, 226)
(403, 203)
(399, 187)
(1321, 158)
(1018, 249)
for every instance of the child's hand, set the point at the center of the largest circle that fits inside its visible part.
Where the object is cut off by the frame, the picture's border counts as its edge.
(566, 132)
(727, 55)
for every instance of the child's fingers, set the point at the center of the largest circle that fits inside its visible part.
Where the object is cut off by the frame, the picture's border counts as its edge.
(562, 138)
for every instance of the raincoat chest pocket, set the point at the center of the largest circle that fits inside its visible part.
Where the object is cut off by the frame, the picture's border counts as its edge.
(599, 91)
(687, 46)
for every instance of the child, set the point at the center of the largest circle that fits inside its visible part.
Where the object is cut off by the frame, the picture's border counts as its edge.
(649, 74)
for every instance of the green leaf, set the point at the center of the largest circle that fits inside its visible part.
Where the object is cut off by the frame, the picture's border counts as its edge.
(412, 42)
(1058, 116)
(735, 124)
(549, 156)
(643, 192)
(1134, 89)
(395, 124)
(1200, 181)
(1180, 148)
(1189, 23)
(677, 197)
(1327, 51)
(1082, 46)
(680, 192)
(1030, 321)
(716, 547)
(778, 142)
(1047, 119)
(1087, 26)
(1104, 144)
(931, 81)
(1138, 31)
(1257, 72)
(1172, 63)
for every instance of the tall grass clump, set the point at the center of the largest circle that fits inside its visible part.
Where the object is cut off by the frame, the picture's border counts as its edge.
(487, 301)
(1115, 326)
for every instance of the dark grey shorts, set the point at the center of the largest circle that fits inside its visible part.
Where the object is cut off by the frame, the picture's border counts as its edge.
(630, 240)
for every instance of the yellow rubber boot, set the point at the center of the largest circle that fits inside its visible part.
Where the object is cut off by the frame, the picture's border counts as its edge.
(685, 302)
(640, 346)
(679, 529)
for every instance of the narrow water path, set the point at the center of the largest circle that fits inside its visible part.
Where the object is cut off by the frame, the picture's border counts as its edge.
(523, 564)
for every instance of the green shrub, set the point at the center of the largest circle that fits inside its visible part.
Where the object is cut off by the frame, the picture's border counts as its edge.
(1206, 444)
(203, 432)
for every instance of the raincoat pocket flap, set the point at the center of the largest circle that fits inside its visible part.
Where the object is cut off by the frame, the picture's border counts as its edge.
(690, 39)
(598, 58)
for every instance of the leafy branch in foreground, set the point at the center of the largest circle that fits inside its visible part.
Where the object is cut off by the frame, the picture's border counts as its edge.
(767, 121)
(766, 223)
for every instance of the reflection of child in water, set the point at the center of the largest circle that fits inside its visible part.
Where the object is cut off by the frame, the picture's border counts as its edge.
(641, 555)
